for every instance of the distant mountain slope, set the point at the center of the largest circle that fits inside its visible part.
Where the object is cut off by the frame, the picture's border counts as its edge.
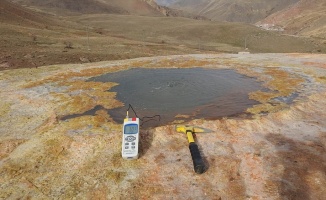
(11, 13)
(136, 7)
(166, 2)
(307, 17)
(125, 7)
(249, 11)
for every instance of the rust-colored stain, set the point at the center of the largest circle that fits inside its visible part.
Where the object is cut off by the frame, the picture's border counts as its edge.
(7, 146)
(316, 64)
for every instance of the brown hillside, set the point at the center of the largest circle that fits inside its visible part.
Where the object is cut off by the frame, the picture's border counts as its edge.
(31, 39)
(233, 11)
(135, 7)
(11, 13)
(307, 17)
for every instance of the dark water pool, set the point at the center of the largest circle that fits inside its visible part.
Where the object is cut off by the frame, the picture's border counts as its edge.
(196, 92)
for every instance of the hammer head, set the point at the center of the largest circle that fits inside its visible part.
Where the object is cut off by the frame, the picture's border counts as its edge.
(193, 129)
(184, 129)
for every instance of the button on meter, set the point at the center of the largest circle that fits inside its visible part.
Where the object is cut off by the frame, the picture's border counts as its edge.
(130, 138)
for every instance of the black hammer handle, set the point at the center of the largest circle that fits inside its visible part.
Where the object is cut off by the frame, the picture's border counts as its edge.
(199, 165)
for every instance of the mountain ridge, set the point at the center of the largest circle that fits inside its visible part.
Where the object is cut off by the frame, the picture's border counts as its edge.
(126, 7)
(11, 13)
(295, 17)
(307, 18)
(135, 7)
(247, 11)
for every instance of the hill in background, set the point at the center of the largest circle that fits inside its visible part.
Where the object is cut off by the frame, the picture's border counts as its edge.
(230, 10)
(14, 14)
(125, 7)
(135, 7)
(306, 18)
(32, 36)
(297, 17)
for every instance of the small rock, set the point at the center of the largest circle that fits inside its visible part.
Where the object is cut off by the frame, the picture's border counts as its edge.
(244, 52)
(29, 56)
(84, 60)
(5, 65)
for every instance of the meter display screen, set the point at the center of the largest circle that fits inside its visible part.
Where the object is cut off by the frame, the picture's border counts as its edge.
(131, 129)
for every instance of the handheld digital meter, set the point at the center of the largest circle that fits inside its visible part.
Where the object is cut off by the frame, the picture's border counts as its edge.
(130, 138)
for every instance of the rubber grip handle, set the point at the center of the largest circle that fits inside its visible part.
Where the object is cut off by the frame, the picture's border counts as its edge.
(199, 165)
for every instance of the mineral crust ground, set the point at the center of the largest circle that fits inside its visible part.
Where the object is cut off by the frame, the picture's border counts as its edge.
(277, 153)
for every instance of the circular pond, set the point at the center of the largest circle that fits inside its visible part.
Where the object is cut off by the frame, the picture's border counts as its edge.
(181, 93)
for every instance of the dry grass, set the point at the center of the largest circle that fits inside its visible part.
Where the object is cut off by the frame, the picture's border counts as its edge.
(114, 37)
(4, 108)
(173, 63)
(280, 82)
(7, 146)
(201, 35)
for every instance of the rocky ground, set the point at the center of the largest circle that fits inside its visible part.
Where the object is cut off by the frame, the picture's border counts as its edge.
(278, 153)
